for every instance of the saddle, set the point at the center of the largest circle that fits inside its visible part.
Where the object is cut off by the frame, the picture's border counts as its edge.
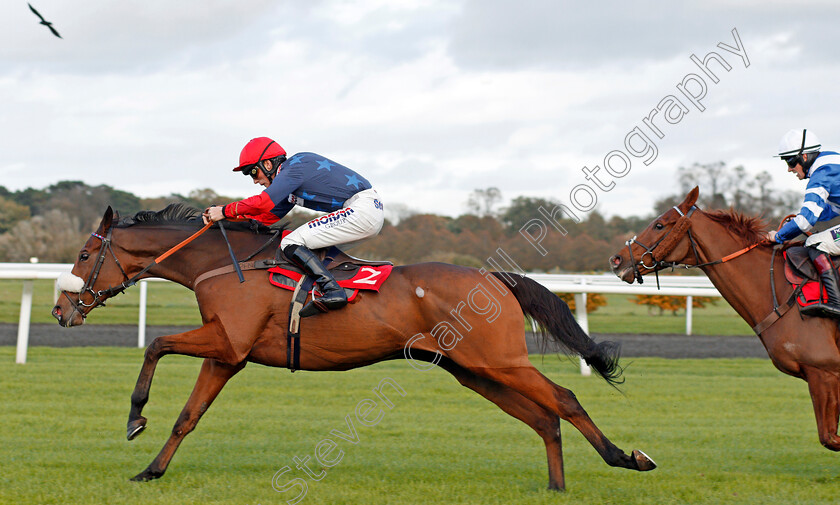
(351, 273)
(343, 267)
(799, 270)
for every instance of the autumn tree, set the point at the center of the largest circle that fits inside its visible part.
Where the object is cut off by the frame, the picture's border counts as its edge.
(482, 201)
(11, 213)
(593, 301)
(53, 237)
(662, 303)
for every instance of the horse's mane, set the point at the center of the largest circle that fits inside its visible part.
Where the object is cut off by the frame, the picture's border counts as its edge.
(182, 215)
(175, 213)
(749, 229)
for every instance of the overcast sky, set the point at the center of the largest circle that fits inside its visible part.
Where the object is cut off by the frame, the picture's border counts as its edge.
(427, 99)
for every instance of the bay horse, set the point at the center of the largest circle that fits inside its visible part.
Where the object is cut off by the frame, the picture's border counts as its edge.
(730, 249)
(248, 323)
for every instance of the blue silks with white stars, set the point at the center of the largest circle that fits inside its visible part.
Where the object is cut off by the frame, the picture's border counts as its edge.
(315, 182)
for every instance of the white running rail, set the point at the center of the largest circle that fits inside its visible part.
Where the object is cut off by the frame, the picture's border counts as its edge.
(578, 284)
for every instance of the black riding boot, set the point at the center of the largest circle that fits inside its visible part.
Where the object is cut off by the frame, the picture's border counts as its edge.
(333, 296)
(829, 280)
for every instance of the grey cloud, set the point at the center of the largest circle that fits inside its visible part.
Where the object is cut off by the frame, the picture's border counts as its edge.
(105, 37)
(490, 34)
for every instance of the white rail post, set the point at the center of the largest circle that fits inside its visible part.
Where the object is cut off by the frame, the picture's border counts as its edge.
(23, 323)
(583, 321)
(141, 324)
(689, 302)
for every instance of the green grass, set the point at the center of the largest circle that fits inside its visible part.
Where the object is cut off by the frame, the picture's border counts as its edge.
(171, 304)
(722, 431)
(620, 315)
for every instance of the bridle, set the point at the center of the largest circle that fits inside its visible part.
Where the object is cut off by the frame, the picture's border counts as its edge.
(101, 295)
(666, 245)
(662, 247)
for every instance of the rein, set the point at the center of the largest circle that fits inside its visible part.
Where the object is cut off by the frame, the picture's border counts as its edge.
(99, 296)
(663, 247)
(667, 243)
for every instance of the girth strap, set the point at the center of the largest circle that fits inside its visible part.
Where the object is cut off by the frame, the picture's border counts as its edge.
(778, 312)
(293, 334)
(227, 269)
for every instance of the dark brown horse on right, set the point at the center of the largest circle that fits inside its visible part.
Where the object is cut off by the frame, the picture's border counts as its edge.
(801, 346)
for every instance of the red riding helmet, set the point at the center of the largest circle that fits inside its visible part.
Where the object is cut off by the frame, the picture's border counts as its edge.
(258, 149)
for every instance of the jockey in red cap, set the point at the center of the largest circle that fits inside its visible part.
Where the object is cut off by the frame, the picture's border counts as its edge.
(354, 209)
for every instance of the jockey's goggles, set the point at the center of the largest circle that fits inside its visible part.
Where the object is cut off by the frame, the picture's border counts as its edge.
(791, 161)
(252, 171)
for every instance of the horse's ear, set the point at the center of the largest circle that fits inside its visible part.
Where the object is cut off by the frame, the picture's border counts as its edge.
(107, 220)
(690, 198)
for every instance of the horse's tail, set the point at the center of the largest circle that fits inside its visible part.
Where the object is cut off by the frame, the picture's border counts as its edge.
(556, 323)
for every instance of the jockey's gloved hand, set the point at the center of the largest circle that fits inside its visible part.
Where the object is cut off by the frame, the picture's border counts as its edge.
(213, 214)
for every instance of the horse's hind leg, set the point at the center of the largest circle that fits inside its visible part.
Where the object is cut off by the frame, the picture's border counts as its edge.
(212, 378)
(529, 382)
(546, 424)
(825, 395)
(204, 342)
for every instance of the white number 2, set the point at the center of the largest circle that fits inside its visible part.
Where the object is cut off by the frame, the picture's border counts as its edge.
(369, 279)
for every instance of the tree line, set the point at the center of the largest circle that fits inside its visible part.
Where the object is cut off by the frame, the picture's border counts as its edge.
(52, 223)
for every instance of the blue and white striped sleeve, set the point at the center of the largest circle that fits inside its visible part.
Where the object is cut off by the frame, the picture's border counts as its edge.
(814, 206)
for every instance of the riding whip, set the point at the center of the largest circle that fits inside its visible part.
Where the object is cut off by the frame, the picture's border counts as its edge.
(232, 255)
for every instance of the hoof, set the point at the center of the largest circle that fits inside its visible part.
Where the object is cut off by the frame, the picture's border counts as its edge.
(146, 475)
(135, 428)
(643, 461)
(557, 488)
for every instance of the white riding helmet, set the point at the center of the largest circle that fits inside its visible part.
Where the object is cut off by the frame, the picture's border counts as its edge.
(796, 142)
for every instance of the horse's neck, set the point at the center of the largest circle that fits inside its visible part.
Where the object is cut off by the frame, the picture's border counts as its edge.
(203, 254)
(744, 281)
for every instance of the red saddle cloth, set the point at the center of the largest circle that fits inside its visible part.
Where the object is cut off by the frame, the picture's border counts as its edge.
(367, 277)
(811, 292)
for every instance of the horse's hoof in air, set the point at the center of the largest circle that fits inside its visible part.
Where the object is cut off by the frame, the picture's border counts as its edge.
(643, 461)
(135, 428)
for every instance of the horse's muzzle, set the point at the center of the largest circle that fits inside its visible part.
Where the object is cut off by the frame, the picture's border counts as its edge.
(65, 321)
(621, 268)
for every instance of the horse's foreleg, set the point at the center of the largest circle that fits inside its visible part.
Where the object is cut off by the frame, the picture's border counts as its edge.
(546, 424)
(825, 395)
(529, 382)
(205, 342)
(212, 378)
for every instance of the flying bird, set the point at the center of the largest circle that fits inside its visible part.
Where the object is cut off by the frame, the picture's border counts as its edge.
(44, 21)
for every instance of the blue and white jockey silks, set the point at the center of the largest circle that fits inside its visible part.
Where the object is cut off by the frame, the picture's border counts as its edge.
(822, 203)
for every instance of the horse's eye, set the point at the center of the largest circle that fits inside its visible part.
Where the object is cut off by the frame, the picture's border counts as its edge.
(84, 256)
(659, 226)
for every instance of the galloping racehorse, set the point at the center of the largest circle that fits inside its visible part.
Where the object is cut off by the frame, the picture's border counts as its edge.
(248, 322)
(730, 249)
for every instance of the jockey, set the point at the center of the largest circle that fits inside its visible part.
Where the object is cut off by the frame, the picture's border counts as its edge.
(355, 211)
(800, 149)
